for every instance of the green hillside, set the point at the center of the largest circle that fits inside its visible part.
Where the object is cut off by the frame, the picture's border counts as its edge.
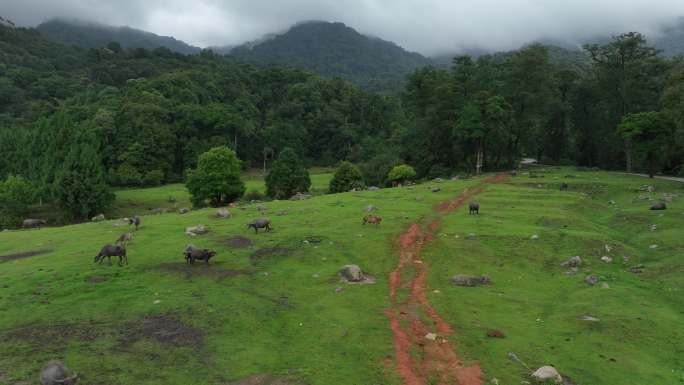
(271, 304)
(334, 49)
(93, 35)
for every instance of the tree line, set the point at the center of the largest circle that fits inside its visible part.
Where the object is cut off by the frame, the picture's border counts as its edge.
(74, 122)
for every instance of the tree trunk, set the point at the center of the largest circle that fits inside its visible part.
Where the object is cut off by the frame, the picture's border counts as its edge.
(478, 162)
(628, 155)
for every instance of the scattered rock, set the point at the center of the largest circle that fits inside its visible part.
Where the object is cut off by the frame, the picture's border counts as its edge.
(611, 202)
(659, 206)
(607, 259)
(470, 281)
(591, 279)
(431, 336)
(300, 197)
(436, 189)
(654, 227)
(547, 373)
(589, 318)
(650, 189)
(54, 373)
(354, 274)
(607, 248)
(534, 237)
(184, 210)
(471, 236)
(223, 213)
(638, 269)
(370, 208)
(494, 333)
(575, 261)
(261, 207)
(373, 188)
(652, 247)
(605, 286)
(196, 230)
(98, 218)
(339, 289)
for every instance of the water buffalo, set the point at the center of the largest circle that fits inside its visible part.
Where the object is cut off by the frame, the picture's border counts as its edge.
(372, 219)
(33, 223)
(564, 187)
(474, 208)
(134, 221)
(192, 254)
(260, 224)
(124, 238)
(659, 206)
(110, 251)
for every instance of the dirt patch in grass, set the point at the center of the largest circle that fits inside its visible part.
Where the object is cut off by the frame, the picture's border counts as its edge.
(165, 329)
(49, 336)
(269, 252)
(199, 269)
(22, 255)
(96, 279)
(239, 242)
(263, 379)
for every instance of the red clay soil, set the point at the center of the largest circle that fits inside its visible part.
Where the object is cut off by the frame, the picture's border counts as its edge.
(419, 360)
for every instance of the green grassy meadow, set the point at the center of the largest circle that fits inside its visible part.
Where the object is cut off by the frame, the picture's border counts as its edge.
(270, 303)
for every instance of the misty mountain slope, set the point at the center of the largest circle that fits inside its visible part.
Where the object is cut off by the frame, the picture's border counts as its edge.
(93, 35)
(333, 49)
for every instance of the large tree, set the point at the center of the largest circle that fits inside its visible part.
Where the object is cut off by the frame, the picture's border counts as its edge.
(650, 133)
(288, 176)
(216, 179)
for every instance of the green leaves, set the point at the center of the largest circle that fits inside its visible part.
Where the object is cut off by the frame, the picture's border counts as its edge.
(287, 177)
(346, 178)
(216, 179)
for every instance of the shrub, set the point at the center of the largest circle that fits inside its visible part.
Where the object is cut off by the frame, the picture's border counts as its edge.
(346, 178)
(375, 171)
(128, 175)
(401, 173)
(254, 195)
(216, 178)
(287, 177)
(16, 194)
(153, 178)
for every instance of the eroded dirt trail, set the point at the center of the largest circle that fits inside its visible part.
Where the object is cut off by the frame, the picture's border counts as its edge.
(421, 360)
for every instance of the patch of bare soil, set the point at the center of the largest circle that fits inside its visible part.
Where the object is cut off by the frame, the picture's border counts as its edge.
(22, 255)
(269, 252)
(200, 269)
(96, 279)
(239, 242)
(165, 329)
(49, 336)
(263, 379)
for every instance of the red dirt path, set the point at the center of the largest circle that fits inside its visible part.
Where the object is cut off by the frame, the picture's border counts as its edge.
(420, 361)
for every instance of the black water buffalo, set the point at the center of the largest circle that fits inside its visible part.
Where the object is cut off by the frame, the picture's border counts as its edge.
(134, 221)
(192, 254)
(564, 187)
(260, 224)
(33, 223)
(110, 251)
(474, 208)
(659, 206)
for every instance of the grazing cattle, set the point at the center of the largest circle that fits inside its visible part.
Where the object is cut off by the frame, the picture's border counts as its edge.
(124, 239)
(372, 219)
(110, 251)
(55, 373)
(659, 206)
(260, 224)
(192, 254)
(33, 223)
(134, 221)
(564, 187)
(474, 208)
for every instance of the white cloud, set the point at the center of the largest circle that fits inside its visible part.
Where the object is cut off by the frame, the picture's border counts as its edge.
(426, 26)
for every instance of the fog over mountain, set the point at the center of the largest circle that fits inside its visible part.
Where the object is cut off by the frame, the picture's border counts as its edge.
(426, 26)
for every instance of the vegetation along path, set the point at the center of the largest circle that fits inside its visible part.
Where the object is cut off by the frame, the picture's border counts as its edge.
(423, 352)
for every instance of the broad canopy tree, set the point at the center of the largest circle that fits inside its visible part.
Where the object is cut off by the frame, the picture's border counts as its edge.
(216, 179)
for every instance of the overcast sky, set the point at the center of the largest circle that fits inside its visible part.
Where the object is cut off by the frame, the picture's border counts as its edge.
(425, 26)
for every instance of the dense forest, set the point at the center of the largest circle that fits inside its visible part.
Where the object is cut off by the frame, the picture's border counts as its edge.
(74, 121)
